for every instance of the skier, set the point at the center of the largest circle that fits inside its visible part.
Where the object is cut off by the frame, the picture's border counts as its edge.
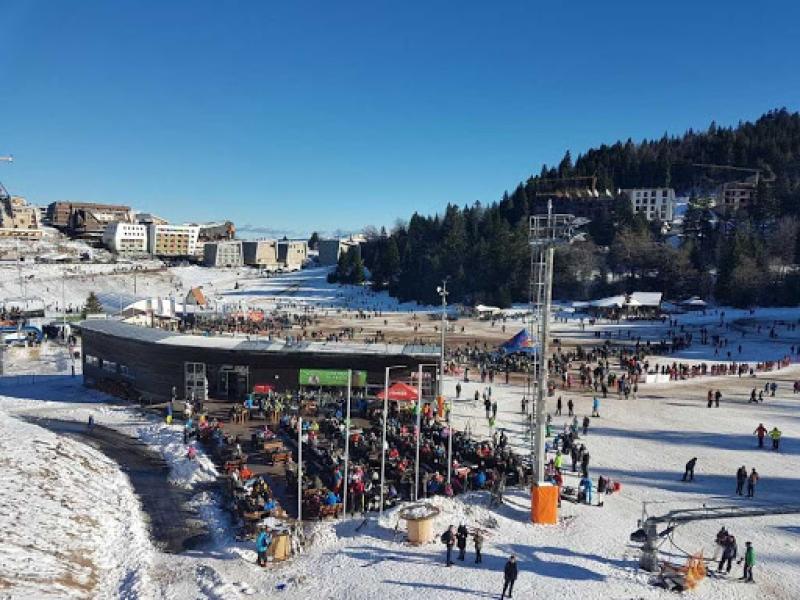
(510, 573)
(760, 431)
(710, 398)
(585, 462)
(775, 434)
(574, 456)
(586, 487)
(717, 396)
(596, 407)
(570, 407)
(689, 473)
(90, 424)
(729, 552)
(461, 540)
(449, 539)
(749, 562)
(494, 409)
(487, 404)
(477, 537)
(558, 406)
(458, 390)
(772, 388)
(741, 477)
(585, 425)
(751, 483)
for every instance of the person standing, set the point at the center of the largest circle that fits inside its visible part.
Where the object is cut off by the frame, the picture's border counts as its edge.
(487, 404)
(477, 538)
(461, 540)
(751, 483)
(558, 406)
(775, 434)
(717, 396)
(494, 409)
(688, 474)
(596, 407)
(263, 542)
(458, 390)
(570, 407)
(761, 432)
(585, 462)
(585, 425)
(449, 540)
(510, 573)
(741, 477)
(710, 398)
(729, 552)
(749, 562)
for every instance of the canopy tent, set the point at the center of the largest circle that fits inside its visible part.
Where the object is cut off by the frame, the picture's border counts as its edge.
(263, 388)
(521, 342)
(400, 391)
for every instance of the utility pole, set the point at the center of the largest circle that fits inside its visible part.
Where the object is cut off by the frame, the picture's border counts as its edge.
(443, 293)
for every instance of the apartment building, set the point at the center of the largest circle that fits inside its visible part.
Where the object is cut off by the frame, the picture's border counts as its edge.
(223, 254)
(734, 195)
(172, 240)
(292, 253)
(86, 218)
(126, 239)
(261, 253)
(18, 219)
(656, 204)
(331, 250)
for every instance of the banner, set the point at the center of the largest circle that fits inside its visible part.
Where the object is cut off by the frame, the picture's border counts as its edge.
(331, 378)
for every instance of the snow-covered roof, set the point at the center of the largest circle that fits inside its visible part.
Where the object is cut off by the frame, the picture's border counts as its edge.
(252, 343)
(636, 299)
(484, 308)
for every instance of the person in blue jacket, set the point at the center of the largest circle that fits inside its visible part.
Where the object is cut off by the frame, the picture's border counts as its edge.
(263, 542)
(270, 505)
(331, 498)
(596, 407)
(586, 486)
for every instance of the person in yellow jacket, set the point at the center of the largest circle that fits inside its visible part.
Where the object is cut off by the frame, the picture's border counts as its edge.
(775, 434)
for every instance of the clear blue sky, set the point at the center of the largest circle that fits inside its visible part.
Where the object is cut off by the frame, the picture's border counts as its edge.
(298, 115)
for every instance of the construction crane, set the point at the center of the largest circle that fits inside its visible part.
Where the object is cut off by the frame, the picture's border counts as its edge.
(650, 537)
(3, 192)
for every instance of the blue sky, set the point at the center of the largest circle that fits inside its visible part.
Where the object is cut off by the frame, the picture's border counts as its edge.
(296, 116)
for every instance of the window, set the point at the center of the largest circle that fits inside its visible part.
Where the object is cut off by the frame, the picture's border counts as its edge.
(109, 366)
(91, 360)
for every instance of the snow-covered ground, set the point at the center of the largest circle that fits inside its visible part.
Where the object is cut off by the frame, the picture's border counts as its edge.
(84, 535)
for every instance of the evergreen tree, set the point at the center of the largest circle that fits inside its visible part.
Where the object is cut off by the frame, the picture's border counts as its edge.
(92, 306)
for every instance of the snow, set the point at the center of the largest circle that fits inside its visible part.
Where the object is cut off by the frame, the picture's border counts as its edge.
(643, 444)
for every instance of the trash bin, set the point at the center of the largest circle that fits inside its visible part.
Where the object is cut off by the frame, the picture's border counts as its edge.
(419, 522)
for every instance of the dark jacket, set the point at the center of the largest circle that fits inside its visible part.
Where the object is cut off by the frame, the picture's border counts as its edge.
(511, 571)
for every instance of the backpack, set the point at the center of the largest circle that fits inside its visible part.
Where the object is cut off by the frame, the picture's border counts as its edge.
(445, 538)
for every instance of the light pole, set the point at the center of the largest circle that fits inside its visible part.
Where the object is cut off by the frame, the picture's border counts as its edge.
(443, 293)
(546, 232)
(385, 420)
(419, 425)
(346, 444)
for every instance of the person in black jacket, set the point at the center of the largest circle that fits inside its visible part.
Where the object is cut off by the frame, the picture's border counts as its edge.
(688, 474)
(509, 576)
(461, 540)
(741, 477)
(449, 539)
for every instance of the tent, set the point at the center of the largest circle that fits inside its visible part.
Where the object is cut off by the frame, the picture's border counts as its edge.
(263, 388)
(400, 391)
(521, 342)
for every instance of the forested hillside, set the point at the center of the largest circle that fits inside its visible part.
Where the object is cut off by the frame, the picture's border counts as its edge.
(742, 259)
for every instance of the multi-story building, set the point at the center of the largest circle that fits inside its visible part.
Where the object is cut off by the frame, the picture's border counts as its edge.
(18, 219)
(331, 250)
(85, 219)
(213, 232)
(127, 239)
(734, 195)
(172, 240)
(261, 253)
(226, 253)
(292, 253)
(656, 204)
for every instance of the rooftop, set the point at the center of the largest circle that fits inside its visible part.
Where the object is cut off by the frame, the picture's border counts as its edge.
(252, 342)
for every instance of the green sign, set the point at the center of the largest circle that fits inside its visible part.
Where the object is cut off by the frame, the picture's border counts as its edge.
(331, 378)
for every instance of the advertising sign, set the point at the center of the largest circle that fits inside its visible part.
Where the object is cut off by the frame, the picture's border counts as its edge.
(331, 378)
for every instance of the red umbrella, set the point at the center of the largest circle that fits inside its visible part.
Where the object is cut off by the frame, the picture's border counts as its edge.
(401, 391)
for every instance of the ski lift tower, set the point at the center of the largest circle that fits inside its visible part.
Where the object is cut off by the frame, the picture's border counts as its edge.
(546, 232)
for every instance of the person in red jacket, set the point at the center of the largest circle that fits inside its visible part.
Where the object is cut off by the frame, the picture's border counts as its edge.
(760, 431)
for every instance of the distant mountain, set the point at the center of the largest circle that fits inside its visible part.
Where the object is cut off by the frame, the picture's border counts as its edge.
(743, 259)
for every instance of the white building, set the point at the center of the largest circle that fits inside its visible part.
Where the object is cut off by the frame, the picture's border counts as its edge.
(223, 254)
(125, 238)
(172, 240)
(657, 204)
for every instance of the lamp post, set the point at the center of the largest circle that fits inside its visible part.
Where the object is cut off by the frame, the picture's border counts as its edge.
(385, 420)
(443, 293)
(346, 444)
(419, 425)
